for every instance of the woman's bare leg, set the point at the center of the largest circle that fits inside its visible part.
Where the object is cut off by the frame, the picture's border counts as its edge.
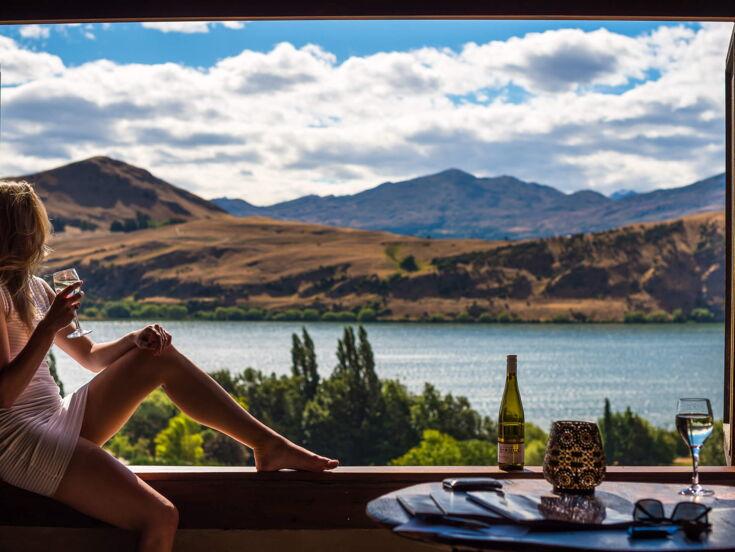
(116, 392)
(98, 485)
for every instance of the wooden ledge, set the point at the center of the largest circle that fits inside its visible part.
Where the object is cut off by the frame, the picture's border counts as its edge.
(659, 474)
(241, 498)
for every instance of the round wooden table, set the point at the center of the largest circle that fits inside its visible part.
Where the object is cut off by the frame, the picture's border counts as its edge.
(386, 511)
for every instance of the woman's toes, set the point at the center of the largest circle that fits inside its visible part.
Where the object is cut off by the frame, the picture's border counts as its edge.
(285, 454)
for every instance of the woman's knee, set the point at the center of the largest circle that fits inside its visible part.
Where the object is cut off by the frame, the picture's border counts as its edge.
(148, 363)
(162, 517)
(155, 368)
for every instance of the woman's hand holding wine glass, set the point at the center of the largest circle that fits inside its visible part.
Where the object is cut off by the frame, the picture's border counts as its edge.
(64, 281)
(63, 309)
(153, 338)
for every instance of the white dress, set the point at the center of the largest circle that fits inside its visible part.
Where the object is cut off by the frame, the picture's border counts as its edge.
(39, 432)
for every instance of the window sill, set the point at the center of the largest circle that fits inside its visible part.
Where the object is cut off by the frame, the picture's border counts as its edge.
(241, 498)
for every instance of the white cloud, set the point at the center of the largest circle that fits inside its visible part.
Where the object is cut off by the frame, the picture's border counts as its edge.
(21, 65)
(190, 27)
(568, 108)
(34, 31)
(234, 25)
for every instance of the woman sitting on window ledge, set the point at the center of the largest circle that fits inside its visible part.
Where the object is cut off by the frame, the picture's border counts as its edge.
(52, 446)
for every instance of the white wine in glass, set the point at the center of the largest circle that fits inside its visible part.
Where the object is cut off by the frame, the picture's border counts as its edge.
(694, 422)
(62, 280)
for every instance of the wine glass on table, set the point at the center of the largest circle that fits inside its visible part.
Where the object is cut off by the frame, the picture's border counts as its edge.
(694, 422)
(62, 280)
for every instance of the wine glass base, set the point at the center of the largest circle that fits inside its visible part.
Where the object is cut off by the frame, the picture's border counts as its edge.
(693, 491)
(78, 333)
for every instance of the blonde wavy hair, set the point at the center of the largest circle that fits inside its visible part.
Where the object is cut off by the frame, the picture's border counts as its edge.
(24, 233)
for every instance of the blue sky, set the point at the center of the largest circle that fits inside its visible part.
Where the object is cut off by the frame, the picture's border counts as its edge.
(132, 43)
(269, 111)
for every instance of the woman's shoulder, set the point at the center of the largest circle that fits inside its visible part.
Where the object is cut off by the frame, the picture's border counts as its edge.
(6, 302)
(41, 290)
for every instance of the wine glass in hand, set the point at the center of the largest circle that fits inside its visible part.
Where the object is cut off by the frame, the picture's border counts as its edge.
(62, 280)
(694, 422)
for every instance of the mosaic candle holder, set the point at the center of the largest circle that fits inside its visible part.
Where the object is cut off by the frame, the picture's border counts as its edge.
(574, 460)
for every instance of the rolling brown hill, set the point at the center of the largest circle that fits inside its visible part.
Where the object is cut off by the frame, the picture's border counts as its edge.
(277, 265)
(98, 191)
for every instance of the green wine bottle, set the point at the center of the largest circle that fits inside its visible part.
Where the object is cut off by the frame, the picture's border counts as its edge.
(510, 422)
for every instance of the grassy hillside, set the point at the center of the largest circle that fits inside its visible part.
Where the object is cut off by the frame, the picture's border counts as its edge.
(278, 265)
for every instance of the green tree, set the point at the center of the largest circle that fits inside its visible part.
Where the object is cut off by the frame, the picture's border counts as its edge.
(634, 317)
(713, 451)
(229, 313)
(304, 364)
(701, 315)
(310, 315)
(409, 264)
(136, 453)
(631, 440)
(277, 401)
(439, 449)
(451, 415)
(219, 449)
(345, 417)
(535, 451)
(142, 220)
(677, 315)
(399, 431)
(116, 309)
(150, 418)
(54, 373)
(181, 443)
(607, 428)
(174, 312)
(535, 440)
(658, 317)
(227, 381)
(366, 314)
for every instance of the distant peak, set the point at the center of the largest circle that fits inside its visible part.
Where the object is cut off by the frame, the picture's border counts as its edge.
(453, 172)
(103, 160)
(621, 194)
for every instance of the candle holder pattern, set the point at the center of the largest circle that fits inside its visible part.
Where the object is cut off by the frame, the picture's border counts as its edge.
(575, 460)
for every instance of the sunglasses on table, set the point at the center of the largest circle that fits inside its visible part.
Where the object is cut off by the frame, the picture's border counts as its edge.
(691, 517)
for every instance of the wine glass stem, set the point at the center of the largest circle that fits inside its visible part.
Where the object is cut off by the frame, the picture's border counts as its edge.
(695, 466)
(77, 326)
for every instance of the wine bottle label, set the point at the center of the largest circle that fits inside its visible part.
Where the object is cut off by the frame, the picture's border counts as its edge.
(511, 453)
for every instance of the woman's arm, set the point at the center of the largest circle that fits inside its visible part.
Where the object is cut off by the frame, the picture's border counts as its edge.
(93, 356)
(16, 373)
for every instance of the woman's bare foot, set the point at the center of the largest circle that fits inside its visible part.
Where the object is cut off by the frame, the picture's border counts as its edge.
(283, 454)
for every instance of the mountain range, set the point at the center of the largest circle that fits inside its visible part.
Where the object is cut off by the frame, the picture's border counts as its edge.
(191, 249)
(95, 192)
(456, 204)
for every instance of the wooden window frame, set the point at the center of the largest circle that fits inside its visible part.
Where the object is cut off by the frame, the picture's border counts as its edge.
(242, 499)
(729, 403)
(53, 11)
(75, 11)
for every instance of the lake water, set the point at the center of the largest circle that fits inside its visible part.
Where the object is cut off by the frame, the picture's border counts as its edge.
(565, 371)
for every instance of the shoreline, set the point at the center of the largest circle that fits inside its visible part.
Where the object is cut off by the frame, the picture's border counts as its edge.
(417, 322)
